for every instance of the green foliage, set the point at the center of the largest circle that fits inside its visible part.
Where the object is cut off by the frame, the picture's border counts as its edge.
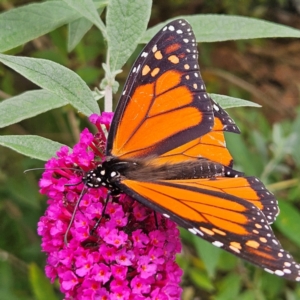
(126, 23)
(42, 289)
(31, 103)
(228, 102)
(23, 24)
(288, 222)
(222, 28)
(33, 146)
(35, 34)
(54, 78)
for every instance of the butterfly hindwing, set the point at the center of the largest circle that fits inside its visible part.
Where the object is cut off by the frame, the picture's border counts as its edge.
(215, 213)
(164, 103)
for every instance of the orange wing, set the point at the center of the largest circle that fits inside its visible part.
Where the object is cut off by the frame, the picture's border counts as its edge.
(223, 211)
(165, 112)
(211, 146)
(164, 103)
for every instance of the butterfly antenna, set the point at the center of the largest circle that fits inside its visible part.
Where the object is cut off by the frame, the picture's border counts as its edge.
(73, 215)
(103, 213)
(54, 169)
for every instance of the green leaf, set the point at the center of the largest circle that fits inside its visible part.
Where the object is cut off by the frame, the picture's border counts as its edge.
(227, 261)
(288, 222)
(228, 102)
(77, 29)
(201, 279)
(248, 295)
(23, 24)
(271, 286)
(126, 22)
(229, 288)
(295, 130)
(42, 289)
(209, 254)
(27, 105)
(216, 28)
(55, 78)
(31, 145)
(87, 9)
(241, 153)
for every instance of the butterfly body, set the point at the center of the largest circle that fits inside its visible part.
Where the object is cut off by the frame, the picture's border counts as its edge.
(166, 149)
(113, 171)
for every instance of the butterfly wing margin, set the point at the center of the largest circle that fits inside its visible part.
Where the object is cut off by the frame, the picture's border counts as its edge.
(226, 221)
(164, 103)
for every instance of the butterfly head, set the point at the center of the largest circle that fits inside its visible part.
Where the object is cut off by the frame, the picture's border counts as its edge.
(100, 176)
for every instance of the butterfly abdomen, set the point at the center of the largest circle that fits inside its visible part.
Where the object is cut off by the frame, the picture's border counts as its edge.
(145, 170)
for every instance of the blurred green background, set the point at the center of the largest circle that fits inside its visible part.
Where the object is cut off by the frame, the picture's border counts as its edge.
(266, 71)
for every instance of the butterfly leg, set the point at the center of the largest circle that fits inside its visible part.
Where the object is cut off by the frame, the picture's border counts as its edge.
(73, 215)
(103, 213)
(156, 220)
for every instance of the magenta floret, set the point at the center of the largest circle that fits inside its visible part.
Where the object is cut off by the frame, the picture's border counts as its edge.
(127, 256)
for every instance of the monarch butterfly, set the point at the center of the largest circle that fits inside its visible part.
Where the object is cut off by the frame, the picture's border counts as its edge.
(166, 149)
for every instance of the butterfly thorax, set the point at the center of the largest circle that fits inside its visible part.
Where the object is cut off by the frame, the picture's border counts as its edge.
(114, 170)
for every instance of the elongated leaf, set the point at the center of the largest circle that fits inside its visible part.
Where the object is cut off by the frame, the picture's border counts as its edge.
(20, 25)
(31, 145)
(56, 79)
(241, 153)
(77, 29)
(295, 130)
(229, 287)
(27, 105)
(41, 286)
(228, 102)
(209, 253)
(288, 222)
(201, 280)
(87, 9)
(216, 28)
(247, 295)
(126, 22)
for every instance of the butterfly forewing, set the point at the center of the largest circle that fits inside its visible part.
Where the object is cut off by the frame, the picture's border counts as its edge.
(164, 102)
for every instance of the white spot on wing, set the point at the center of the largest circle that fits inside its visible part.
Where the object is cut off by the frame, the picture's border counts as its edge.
(138, 68)
(198, 231)
(269, 271)
(192, 230)
(218, 244)
(216, 107)
(279, 273)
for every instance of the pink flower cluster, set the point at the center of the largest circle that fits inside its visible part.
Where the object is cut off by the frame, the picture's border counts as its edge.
(127, 257)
